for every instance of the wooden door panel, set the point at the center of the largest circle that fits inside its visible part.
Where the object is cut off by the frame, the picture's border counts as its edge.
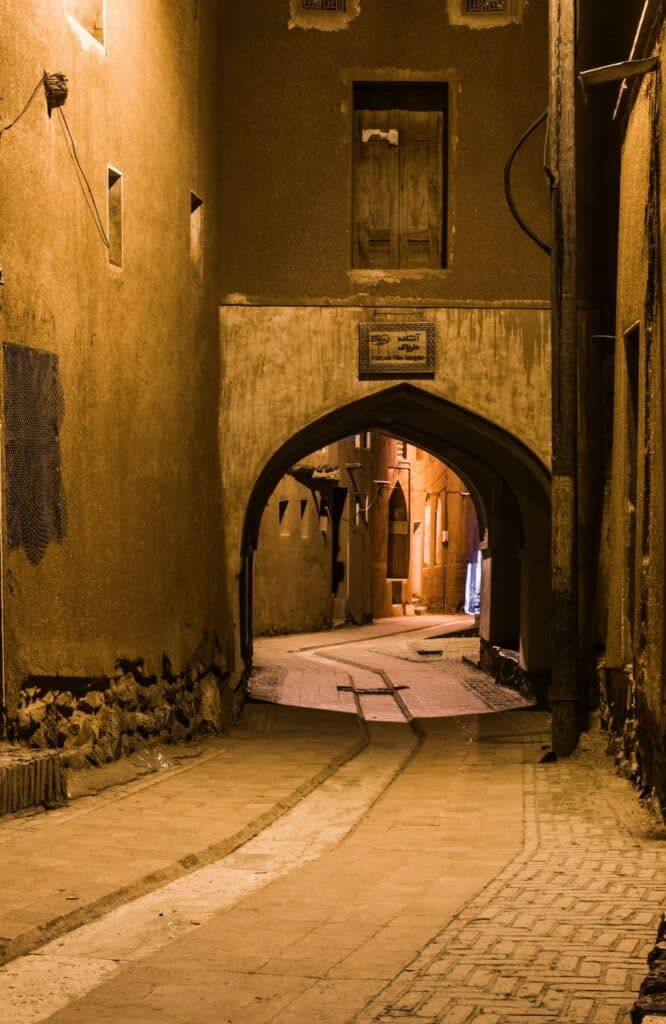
(421, 167)
(398, 188)
(376, 192)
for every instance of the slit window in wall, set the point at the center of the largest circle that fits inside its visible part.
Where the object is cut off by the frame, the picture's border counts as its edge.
(305, 531)
(196, 231)
(115, 216)
(89, 15)
(283, 505)
(439, 535)
(427, 530)
(632, 348)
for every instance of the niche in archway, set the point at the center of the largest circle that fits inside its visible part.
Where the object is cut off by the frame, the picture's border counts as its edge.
(397, 560)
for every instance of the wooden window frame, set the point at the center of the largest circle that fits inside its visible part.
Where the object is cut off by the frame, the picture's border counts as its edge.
(393, 102)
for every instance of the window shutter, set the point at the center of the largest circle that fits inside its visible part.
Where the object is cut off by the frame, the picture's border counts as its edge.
(376, 191)
(399, 175)
(420, 201)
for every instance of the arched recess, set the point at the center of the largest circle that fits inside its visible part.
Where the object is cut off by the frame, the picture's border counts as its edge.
(509, 485)
(397, 563)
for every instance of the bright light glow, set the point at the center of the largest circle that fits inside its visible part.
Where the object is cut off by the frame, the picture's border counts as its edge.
(87, 41)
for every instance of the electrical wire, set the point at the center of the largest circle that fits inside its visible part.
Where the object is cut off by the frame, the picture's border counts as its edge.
(507, 183)
(6, 127)
(82, 179)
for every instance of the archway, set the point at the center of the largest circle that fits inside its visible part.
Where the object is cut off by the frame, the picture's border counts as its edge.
(508, 484)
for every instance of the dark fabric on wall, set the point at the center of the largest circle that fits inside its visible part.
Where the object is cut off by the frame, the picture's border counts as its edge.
(34, 409)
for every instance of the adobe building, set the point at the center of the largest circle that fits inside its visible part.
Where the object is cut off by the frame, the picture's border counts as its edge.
(378, 212)
(364, 528)
(633, 699)
(113, 625)
(247, 232)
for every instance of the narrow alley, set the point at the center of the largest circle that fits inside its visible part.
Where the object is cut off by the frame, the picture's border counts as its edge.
(332, 490)
(424, 865)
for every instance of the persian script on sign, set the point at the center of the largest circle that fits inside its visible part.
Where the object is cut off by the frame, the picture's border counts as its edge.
(396, 350)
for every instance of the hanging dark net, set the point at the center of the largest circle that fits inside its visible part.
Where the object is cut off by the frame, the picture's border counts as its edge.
(34, 408)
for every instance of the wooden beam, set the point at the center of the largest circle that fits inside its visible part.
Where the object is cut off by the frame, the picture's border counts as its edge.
(565, 695)
(619, 72)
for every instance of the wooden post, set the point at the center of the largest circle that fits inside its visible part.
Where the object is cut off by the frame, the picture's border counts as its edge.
(565, 690)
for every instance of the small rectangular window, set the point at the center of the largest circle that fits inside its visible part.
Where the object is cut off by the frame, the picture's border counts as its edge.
(196, 231)
(305, 531)
(401, 449)
(283, 505)
(632, 352)
(89, 14)
(115, 216)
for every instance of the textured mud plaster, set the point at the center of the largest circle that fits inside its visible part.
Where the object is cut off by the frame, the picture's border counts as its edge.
(459, 16)
(323, 21)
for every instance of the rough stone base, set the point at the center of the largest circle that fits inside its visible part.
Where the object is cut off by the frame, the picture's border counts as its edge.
(635, 738)
(30, 778)
(504, 666)
(651, 1002)
(92, 721)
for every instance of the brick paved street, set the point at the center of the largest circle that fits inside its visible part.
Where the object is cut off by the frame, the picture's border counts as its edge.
(562, 933)
(308, 670)
(433, 870)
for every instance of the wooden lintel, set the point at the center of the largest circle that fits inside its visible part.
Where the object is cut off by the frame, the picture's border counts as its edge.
(618, 72)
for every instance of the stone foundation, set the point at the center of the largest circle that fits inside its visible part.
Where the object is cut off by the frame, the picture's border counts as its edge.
(504, 666)
(635, 738)
(93, 721)
(651, 1002)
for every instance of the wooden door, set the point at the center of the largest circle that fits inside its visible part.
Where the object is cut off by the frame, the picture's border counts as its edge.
(398, 188)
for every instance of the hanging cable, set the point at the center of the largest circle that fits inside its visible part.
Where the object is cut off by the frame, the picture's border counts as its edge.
(84, 184)
(507, 183)
(6, 127)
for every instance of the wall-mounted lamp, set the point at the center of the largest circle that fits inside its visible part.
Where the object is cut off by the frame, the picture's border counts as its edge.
(55, 87)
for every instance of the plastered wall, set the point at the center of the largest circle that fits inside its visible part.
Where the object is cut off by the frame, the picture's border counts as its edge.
(288, 110)
(288, 366)
(633, 697)
(137, 575)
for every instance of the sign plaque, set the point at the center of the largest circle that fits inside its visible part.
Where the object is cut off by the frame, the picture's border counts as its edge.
(396, 350)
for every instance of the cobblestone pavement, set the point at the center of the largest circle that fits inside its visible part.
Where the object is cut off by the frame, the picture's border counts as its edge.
(434, 680)
(562, 933)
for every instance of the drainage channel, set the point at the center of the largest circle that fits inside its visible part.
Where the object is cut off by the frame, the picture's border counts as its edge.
(34, 987)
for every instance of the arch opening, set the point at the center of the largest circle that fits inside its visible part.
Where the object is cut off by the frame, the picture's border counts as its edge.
(506, 485)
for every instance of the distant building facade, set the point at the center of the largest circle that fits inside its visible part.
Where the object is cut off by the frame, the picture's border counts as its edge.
(362, 529)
